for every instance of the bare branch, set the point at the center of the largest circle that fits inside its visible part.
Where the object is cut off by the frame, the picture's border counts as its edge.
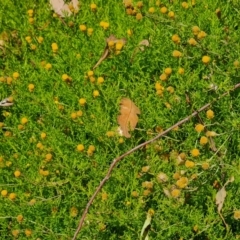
(116, 160)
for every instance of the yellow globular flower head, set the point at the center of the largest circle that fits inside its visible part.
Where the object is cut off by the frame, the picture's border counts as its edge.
(28, 39)
(119, 46)
(203, 140)
(181, 71)
(33, 47)
(182, 182)
(104, 25)
(89, 31)
(195, 152)
(65, 77)
(19, 218)
(74, 115)
(176, 175)
(110, 133)
(12, 196)
(54, 47)
(175, 193)
(48, 157)
(80, 147)
(206, 59)
(31, 20)
(4, 193)
(96, 93)
(205, 165)
(48, 66)
(192, 42)
(210, 114)
(83, 28)
(129, 32)
(199, 127)
(135, 194)
(92, 148)
(158, 86)
(236, 64)
(93, 7)
(189, 164)
(100, 80)
(31, 87)
(236, 214)
(139, 4)
(9, 80)
(176, 39)
(24, 120)
(73, 211)
(170, 89)
(82, 101)
(177, 54)
(40, 146)
(30, 12)
(111, 44)
(104, 196)
(185, 5)
(17, 173)
(28, 232)
(43, 135)
(151, 10)
(168, 71)
(171, 15)
(15, 233)
(163, 77)
(201, 35)
(90, 73)
(40, 39)
(168, 105)
(139, 16)
(16, 75)
(44, 173)
(79, 113)
(195, 30)
(163, 10)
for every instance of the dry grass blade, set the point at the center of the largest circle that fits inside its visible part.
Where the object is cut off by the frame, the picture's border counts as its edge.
(129, 116)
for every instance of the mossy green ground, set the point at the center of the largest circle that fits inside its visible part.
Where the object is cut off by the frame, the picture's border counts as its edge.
(52, 190)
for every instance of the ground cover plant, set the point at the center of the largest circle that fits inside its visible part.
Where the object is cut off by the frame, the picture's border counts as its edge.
(64, 76)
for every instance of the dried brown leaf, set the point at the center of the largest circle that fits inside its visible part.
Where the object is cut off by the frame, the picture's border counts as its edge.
(63, 9)
(144, 43)
(129, 116)
(220, 198)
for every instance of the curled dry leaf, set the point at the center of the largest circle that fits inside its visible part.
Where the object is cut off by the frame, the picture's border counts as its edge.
(106, 51)
(220, 198)
(143, 43)
(129, 116)
(141, 46)
(6, 102)
(62, 9)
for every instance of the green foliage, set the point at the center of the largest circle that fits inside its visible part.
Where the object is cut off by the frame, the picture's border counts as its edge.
(175, 183)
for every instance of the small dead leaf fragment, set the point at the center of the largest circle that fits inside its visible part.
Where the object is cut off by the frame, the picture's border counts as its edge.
(129, 116)
(6, 102)
(143, 43)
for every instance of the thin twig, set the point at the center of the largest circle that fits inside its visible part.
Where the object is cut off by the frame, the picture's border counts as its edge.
(116, 160)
